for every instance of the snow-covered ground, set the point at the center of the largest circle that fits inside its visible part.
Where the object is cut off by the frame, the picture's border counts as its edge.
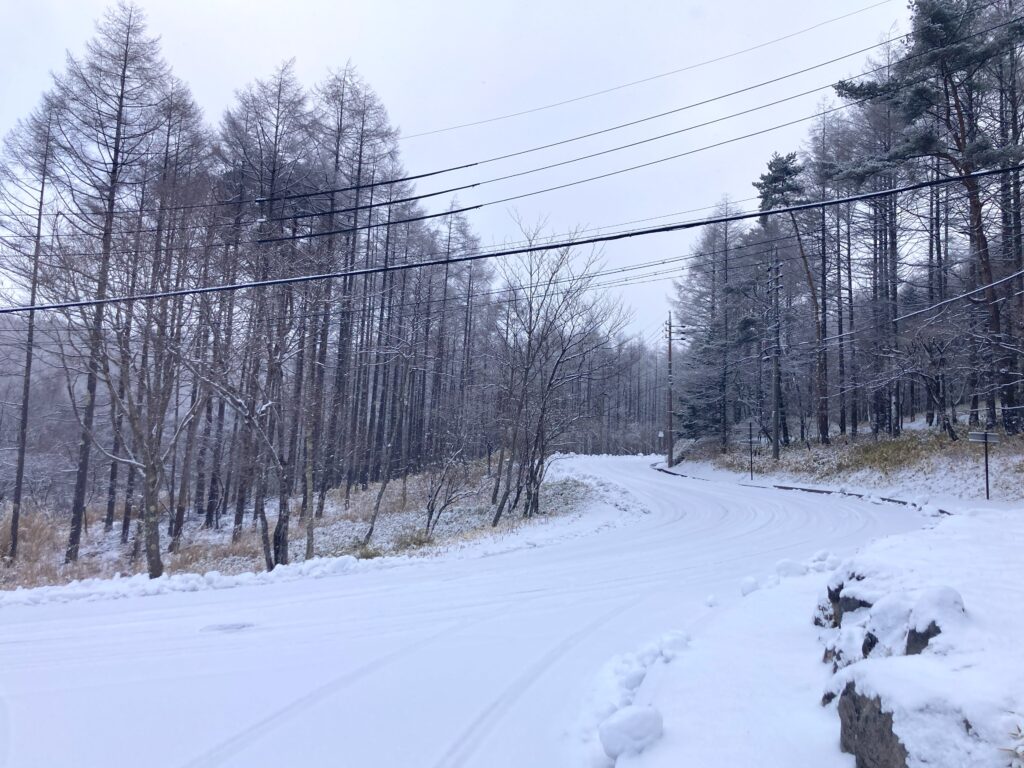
(500, 653)
(930, 470)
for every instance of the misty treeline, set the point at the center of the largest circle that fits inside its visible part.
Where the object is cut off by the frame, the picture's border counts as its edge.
(856, 318)
(215, 408)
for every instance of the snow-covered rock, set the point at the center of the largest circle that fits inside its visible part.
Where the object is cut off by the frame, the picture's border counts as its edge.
(928, 642)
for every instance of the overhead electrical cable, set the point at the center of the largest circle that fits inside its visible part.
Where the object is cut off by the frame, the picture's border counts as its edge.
(650, 78)
(380, 269)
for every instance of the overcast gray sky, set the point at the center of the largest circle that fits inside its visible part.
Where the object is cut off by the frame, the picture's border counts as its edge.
(439, 64)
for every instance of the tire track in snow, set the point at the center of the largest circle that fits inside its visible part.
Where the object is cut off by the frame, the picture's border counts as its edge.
(469, 740)
(259, 729)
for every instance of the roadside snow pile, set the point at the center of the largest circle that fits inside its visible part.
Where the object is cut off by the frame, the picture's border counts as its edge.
(578, 503)
(925, 639)
(790, 569)
(141, 585)
(613, 723)
(745, 692)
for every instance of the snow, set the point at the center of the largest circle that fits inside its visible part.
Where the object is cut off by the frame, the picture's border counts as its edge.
(630, 731)
(141, 585)
(788, 568)
(958, 702)
(492, 653)
(747, 690)
(614, 691)
(748, 585)
(939, 605)
(947, 476)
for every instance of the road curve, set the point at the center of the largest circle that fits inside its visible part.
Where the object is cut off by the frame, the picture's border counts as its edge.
(467, 661)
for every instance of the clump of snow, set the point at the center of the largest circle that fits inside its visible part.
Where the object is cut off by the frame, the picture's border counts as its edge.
(630, 730)
(788, 568)
(823, 561)
(748, 585)
(940, 605)
(887, 622)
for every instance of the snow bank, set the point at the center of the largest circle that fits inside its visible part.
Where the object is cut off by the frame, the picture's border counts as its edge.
(932, 626)
(610, 506)
(141, 585)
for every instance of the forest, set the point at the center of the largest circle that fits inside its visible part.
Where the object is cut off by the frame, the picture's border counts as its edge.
(218, 323)
(198, 408)
(859, 317)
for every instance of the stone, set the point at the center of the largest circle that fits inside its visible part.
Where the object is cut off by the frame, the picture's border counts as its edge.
(870, 641)
(918, 641)
(866, 731)
(843, 604)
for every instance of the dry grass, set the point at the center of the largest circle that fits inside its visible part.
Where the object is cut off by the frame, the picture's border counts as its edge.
(43, 534)
(411, 539)
(367, 552)
(880, 455)
(888, 456)
(42, 540)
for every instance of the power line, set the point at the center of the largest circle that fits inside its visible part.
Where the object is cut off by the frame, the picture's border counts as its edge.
(687, 68)
(464, 187)
(298, 279)
(577, 182)
(740, 252)
(648, 118)
(591, 134)
(557, 187)
(518, 153)
(554, 236)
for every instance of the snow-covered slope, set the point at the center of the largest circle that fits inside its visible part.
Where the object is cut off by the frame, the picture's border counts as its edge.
(486, 657)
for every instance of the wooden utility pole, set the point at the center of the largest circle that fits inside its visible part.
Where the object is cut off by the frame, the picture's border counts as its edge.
(668, 432)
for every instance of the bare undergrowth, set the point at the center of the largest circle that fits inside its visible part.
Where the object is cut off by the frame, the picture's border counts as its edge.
(400, 529)
(916, 455)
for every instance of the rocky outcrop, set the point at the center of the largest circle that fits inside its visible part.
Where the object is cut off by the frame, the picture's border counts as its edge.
(867, 733)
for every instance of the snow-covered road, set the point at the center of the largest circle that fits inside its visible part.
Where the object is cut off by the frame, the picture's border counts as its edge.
(480, 659)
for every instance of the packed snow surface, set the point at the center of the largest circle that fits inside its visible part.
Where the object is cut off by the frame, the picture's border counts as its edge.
(489, 656)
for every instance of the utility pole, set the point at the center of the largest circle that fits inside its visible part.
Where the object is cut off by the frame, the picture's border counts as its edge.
(750, 444)
(668, 433)
(776, 285)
